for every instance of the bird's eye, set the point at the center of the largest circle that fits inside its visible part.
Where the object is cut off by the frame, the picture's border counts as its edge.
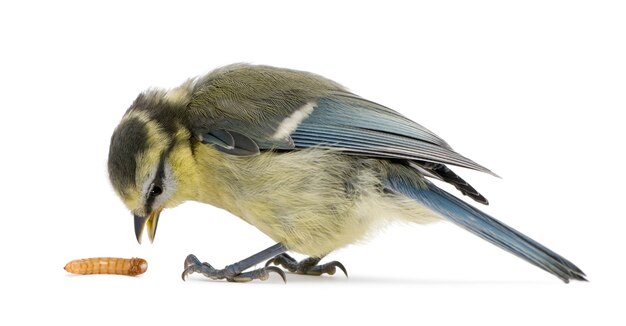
(156, 190)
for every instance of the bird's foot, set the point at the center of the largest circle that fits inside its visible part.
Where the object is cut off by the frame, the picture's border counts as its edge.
(308, 266)
(230, 272)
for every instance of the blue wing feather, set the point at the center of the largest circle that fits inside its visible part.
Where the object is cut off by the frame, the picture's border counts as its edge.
(360, 113)
(360, 127)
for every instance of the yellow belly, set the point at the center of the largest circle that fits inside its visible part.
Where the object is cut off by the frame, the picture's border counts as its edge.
(313, 201)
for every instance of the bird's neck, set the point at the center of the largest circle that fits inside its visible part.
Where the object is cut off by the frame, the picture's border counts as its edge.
(208, 178)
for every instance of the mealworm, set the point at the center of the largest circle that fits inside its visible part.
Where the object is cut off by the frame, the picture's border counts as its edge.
(107, 265)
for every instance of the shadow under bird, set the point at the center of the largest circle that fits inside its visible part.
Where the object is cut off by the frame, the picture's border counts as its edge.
(310, 164)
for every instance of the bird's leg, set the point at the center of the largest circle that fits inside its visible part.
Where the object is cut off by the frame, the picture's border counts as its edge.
(235, 272)
(308, 266)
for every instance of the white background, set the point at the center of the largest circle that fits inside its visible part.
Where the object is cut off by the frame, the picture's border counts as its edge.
(534, 90)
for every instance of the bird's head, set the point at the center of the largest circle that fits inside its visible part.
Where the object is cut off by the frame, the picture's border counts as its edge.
(144, 164)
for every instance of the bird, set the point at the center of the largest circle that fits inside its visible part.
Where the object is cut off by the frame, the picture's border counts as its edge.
(307, 162)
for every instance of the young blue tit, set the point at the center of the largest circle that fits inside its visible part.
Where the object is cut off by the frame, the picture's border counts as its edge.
(310, 164)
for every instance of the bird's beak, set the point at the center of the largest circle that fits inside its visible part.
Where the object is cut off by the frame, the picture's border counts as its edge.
(151, 221)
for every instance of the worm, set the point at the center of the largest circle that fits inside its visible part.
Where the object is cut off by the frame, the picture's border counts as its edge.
(107, 265)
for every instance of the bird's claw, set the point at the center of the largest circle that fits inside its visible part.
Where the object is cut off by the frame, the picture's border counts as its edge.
(307, 266)
(258, 274)
(336, 264)
(193, 265)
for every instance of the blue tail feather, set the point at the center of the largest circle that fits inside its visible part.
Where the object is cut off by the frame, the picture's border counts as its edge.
(485, 226)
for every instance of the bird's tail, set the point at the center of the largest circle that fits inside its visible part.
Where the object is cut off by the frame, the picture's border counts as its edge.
(485, 226)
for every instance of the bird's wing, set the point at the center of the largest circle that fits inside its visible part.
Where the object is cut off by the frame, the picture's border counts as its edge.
(361, 127)
(351, 124)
